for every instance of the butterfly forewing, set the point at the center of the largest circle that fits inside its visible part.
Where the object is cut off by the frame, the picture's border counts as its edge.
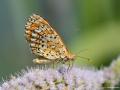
(43, 39)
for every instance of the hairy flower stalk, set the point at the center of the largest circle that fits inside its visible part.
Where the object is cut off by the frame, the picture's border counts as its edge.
(63, 79)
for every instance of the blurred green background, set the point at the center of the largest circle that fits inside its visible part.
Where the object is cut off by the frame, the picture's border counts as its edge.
(89, 26)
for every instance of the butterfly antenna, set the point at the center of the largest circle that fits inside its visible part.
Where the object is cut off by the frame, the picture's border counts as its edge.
(81, 51)
(84, 58)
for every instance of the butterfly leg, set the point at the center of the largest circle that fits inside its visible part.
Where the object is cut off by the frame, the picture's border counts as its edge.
(72, 62)
(53, 64)
(70, 65)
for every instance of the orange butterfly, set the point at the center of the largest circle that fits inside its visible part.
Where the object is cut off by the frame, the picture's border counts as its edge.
(45, 42)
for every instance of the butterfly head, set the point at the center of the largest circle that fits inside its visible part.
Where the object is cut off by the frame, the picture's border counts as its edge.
(70, 57)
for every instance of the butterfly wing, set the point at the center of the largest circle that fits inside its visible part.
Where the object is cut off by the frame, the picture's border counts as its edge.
(43, 39)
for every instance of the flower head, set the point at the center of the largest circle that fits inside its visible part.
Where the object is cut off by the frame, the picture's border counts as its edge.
(64, 79)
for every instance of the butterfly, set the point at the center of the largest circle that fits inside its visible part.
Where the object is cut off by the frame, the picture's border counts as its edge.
(45, 43)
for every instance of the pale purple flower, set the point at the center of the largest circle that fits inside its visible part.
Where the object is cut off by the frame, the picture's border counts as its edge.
(64, 79)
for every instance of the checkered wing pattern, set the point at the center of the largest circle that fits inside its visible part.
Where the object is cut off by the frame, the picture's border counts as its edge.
(43, 39)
